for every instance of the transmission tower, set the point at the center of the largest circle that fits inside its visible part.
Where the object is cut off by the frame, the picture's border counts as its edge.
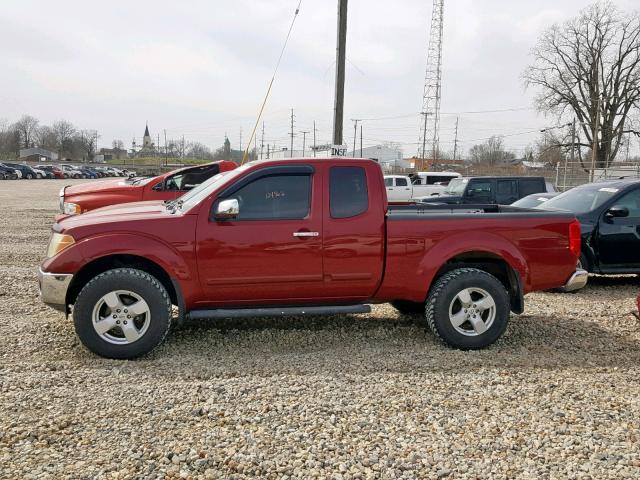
(429, 133)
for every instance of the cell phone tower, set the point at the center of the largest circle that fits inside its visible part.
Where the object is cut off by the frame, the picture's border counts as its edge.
(430, 131)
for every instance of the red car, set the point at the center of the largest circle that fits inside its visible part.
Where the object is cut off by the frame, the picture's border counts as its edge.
(57, 173)
(301, 237)
(76, 199)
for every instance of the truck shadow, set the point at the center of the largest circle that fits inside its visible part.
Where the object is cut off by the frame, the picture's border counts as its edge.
(358, 344)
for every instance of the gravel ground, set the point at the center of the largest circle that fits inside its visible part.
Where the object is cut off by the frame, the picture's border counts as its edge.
(334, 397)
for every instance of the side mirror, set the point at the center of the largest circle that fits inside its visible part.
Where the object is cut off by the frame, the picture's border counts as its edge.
(158, 187)
(617, 211)
(227, 209)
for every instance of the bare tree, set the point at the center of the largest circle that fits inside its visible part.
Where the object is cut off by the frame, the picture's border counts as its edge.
(491, 152)
(117, 145)
(26, 128)
(45, 138)
(88, 143)
(590, 67)
(199, 151)
(63, 132)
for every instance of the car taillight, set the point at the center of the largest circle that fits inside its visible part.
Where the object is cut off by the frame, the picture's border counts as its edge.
(574, 237)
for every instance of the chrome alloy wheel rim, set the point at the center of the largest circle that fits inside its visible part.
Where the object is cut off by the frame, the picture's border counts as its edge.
(121, 317)
(472, 311)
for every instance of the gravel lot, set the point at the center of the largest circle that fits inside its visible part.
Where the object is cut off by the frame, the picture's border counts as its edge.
(341, 397)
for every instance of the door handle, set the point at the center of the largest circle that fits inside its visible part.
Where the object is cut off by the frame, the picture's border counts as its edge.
(306, 234)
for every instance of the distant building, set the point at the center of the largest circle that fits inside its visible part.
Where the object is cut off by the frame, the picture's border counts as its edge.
(389, 158)
(148, 147)
(113, 154)
(428, 164)
(38, 155)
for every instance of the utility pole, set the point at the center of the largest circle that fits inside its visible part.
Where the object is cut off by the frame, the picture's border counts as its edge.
(341, 49)
(268, 146)
(182, 148)
(255, 147)
(424, 136)
(573, 153)
(240, 139)
(360, 140)
(455, 141)
(165, 147)
(314, 138)
(304, 140)
(292, 134)
(262, 141)
(594, 147)
(355, 134)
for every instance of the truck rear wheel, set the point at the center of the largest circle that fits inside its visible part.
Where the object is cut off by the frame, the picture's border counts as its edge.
(408, 308)
(468, 308)
(122, 313)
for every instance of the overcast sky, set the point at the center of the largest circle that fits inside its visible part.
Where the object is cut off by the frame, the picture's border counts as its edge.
(201, 68)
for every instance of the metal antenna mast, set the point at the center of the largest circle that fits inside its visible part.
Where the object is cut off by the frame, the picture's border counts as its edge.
(430, 127)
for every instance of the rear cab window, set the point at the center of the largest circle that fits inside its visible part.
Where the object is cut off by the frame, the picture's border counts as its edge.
(348, 195)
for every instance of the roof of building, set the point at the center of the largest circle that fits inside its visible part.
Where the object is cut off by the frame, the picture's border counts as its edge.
(146, 131)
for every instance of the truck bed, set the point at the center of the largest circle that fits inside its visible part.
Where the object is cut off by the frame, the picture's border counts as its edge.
(411, 210)
(423, 237)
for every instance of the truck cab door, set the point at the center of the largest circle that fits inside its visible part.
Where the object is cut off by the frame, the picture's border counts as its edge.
(403, 189)
(353, 232)
(619, 236)
(270, 250)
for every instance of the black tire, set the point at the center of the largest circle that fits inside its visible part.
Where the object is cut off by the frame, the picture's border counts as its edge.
(443, 295)
(408, 308)
(29, 176)
(583, 262)
(138, 282)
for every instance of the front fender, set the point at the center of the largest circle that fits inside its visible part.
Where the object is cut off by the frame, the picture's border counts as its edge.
(172, 258)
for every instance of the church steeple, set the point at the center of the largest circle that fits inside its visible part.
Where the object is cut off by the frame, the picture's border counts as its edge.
(146, 140)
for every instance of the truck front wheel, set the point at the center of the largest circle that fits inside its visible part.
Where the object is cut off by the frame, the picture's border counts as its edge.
(468, 308)
(122, 313)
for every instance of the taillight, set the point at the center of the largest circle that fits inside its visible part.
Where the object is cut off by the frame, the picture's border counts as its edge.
(574, 238)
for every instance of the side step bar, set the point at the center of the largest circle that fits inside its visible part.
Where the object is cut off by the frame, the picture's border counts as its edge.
(276, 311)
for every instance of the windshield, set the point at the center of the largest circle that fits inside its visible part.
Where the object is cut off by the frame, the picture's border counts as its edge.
(456, 186)
(199, 193)
(580, 199)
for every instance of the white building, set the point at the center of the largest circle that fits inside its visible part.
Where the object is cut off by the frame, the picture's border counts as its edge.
(389, 158)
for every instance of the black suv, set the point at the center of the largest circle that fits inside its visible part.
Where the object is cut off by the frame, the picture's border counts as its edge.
(500, 190)
(7, 173)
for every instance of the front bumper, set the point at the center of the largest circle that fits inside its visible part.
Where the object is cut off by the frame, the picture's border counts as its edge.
(53, 288)
(577, 281)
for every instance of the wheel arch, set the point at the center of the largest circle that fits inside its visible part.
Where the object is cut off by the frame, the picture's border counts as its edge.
(491, 263)
(108, 262)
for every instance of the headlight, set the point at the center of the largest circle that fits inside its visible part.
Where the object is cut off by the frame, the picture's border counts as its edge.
(58, 243)
(71, 208)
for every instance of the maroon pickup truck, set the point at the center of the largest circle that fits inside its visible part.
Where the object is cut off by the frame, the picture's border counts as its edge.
(301, 237)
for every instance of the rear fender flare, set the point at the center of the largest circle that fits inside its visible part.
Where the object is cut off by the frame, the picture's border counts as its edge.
(475, 243)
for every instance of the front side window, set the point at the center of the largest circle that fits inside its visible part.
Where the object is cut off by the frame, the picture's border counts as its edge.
(388, 182)
(631, 200)
(348, 194)
(276, 197)
(480, 189)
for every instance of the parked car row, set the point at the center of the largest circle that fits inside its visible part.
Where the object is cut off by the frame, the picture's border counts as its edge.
(14, 171)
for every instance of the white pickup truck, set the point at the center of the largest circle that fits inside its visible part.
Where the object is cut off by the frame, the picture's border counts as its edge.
(401, 188)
